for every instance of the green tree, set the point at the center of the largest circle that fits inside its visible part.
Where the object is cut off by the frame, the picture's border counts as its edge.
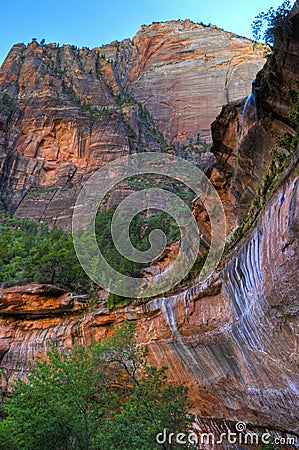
(270, 446)
(101, 396)
(270, 25)
(30, 252)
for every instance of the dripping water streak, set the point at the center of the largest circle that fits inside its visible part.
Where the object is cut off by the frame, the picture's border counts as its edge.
(248, 120)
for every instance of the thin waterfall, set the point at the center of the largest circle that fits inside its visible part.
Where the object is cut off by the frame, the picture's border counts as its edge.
(249, 119)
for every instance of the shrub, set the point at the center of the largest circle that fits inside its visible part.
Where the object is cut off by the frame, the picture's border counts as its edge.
(270, 25)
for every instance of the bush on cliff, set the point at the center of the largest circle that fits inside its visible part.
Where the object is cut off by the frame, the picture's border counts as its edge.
(30, 252)
(102, 396)
(270, 26)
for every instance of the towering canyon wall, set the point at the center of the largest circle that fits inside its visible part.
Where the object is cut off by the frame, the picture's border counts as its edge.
(65, 112)
(240, 164)
(233, 340)
(184, 72)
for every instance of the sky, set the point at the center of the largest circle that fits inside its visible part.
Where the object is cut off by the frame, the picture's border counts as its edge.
(91, 23)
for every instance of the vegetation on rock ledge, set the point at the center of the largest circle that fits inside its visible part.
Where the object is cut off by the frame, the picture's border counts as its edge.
(31, 252)
(270, 26)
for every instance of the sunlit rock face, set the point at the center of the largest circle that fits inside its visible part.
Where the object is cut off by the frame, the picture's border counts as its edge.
(65, 112)
(233, 340)
(184, 72)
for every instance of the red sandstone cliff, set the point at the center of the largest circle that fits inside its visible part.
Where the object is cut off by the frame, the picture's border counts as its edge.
(64, 112)
(183, 72)
(233, 341)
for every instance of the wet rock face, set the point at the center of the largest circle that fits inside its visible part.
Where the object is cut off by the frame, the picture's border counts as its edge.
(235, 349)
(230, 340)
(65, 112)
(243, 148)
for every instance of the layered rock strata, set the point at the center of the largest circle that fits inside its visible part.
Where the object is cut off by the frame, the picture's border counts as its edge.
(243, 139)
(64, 112)
(232, 340)
(185, 71)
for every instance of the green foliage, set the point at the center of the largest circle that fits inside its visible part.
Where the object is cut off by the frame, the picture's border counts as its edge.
(130, 131)
(124, 98)
(144, 117)
(30, 252)
(101, 396)
(114, 300)
(163, 182)
(282, 152)
(7, 102)
(93, 111)
(140, 229)
(270, 25)
(270, 446)
(193, 150)
(294, 118)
